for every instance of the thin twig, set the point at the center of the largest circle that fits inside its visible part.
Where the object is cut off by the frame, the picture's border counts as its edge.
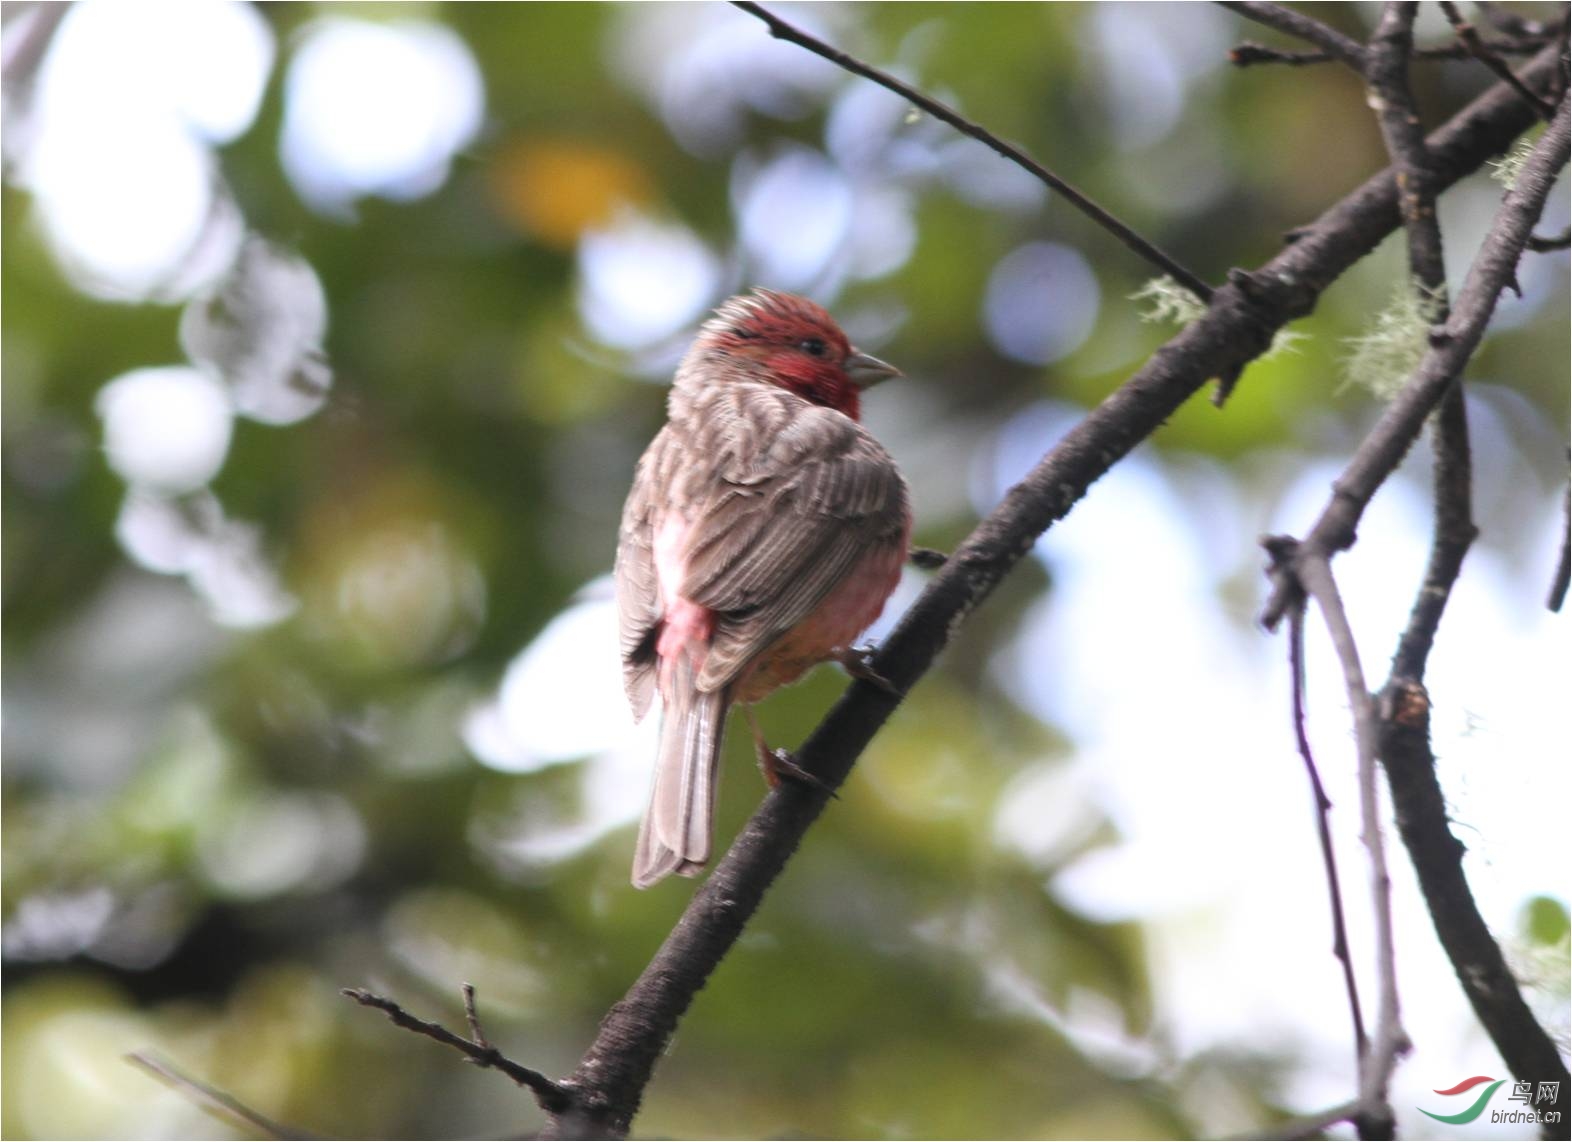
(782, 30)
(1469, 37)
(1323, 810)
(926, 558)
(210, 1100)
(472, 1017)
(1514, 24)
(1550, 242)
(553, 1097)
(1302, 27)
(1314, 572)
(1558, 585)
(1248, 53)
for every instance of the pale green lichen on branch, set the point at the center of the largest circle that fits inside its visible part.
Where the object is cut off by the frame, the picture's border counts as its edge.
(1506, 169)
(1382, 358)
(1172, 304)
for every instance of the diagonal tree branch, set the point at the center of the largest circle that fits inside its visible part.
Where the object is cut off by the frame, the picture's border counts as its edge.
(1476, 47)
(608, 1084)
(782, 30)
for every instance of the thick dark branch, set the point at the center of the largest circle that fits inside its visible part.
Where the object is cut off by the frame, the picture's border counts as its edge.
(1300, 26)
(1468, 35)
(1451, 347)
(554, 1098)
(780, 29)
(1437, 856)
(609, 1082)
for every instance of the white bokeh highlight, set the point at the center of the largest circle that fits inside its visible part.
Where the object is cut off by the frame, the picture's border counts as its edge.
(166, 428)
(129, 100)
(641, 281)
(377, 109)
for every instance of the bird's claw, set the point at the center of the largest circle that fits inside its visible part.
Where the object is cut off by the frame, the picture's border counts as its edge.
(779, 765)
(857, 661)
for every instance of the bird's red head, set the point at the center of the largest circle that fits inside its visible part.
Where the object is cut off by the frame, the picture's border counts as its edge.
(789, 341)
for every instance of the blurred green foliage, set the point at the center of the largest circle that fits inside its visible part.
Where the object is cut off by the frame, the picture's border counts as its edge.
(477, 433)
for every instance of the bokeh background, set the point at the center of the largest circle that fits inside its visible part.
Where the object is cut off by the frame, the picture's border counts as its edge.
(331, 336)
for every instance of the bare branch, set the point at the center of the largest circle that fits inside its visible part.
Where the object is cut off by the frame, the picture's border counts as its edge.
(1558, 585)
(553, 1097)
(1469, 36)
(1323, 806)
(782, 30)
(1302, 27)
(1248, 53)
(1323, 809)
(1513, 24)
(1454, 530)
(1451, 348)
(1437, 857)
(1551, 242)
(1404, 709)
(218, 1104)
(1313, 570)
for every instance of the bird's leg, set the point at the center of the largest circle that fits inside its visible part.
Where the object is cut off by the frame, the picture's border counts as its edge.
(855, 660)
(779, 764)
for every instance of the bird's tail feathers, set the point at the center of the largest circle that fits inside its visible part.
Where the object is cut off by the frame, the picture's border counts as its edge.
(675, 833)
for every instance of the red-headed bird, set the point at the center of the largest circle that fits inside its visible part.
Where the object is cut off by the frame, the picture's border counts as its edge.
(764, 532)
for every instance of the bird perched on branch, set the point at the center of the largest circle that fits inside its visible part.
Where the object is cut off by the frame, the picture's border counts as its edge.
(764, 532)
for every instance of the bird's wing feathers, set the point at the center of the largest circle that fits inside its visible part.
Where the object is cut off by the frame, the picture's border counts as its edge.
(638, 592)
(785, 524)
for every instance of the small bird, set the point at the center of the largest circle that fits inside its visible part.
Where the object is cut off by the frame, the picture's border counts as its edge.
(765, 530)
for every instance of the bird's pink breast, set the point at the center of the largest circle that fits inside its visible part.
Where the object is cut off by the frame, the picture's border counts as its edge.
(848, 610)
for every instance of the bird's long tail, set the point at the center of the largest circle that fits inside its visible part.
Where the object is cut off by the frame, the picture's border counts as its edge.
(675, 833)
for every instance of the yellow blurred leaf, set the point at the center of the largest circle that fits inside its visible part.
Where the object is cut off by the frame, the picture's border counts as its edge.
(555, 189)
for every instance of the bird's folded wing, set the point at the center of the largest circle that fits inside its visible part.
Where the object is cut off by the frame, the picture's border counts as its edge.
(784, 527)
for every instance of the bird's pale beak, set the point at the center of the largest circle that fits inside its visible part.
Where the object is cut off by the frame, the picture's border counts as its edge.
(866, 371)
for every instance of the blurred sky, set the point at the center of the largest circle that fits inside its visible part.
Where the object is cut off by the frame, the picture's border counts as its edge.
(1217, 854)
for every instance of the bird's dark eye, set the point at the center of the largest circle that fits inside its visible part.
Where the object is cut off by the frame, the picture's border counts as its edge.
(813, 347)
